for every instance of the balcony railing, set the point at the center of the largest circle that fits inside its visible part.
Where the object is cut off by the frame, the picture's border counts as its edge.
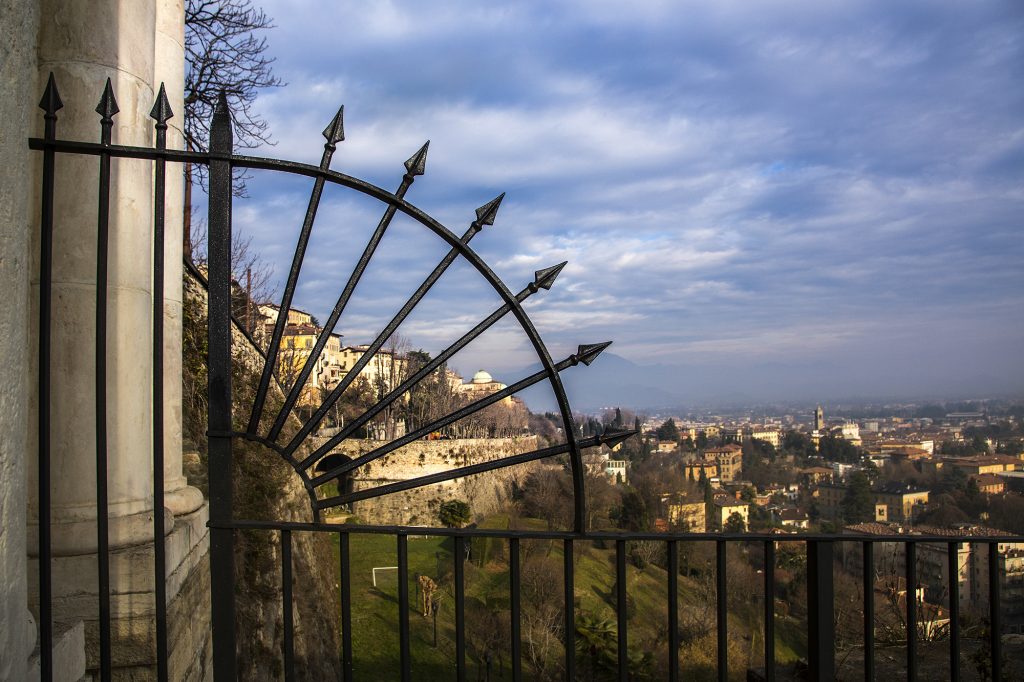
(821, 595)
(819, 549)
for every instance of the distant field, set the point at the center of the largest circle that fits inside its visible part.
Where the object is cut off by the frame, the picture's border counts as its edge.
(375, 609)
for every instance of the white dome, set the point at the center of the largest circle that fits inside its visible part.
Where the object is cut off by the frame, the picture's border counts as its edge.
(482, 377)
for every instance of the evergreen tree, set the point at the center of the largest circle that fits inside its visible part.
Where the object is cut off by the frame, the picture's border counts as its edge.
(668, 432)
(859, 503)
(633, 513)
(735, 523)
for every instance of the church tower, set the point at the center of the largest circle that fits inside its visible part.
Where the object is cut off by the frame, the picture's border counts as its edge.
(819, 419)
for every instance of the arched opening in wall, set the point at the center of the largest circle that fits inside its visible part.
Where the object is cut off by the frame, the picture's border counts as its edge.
(331, 461)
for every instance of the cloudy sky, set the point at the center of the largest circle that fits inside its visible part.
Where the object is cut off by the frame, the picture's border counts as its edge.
(780, 200)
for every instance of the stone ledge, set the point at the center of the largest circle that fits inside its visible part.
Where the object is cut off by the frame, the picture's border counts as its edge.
(68, 654)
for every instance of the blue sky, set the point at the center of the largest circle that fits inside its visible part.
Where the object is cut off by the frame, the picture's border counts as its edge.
(783, 200)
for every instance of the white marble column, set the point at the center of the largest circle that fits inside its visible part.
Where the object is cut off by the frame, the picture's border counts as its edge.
(137, 45)
(83, 44)
(169, 69)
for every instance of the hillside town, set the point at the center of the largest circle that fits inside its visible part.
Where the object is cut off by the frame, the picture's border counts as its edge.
(932, 470)
(949, 474)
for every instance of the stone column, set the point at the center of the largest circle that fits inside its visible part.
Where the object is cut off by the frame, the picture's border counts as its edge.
(169, 69)
(83, 44)
(137, 45)
(19, 20)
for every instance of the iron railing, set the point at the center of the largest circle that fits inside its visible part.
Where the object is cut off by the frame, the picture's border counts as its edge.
(820, 572)
(221, 161)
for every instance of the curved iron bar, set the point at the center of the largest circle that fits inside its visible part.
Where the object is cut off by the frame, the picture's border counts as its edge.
(485, 216)
(400, 204)
(416, 165)
(611, 438)
(481, 267)
(586, 354)
(543, 279)
(254, 438)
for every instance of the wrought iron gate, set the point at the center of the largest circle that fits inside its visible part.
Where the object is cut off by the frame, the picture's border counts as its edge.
(267, 429)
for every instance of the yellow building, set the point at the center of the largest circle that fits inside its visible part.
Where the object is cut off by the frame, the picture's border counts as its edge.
(723, 508)
(688, 516)
(768, 434)
(692, 470)
(902, 501)
(729, 458)
(829, 499)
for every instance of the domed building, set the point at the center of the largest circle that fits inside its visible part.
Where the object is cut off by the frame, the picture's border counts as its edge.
(482, 384)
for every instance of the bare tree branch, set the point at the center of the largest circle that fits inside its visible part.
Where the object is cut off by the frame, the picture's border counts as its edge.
(225, 51)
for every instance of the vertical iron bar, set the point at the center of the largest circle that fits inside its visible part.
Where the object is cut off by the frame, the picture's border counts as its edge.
(569, 608)
(995, 621)
(722, 609)
(820, 610)
(100, 399)
(50, 104)
(222, 561)
(673, 611)
(911, 585)
(868, 561)
(769, 610)
(403, 606)
(514, 608)
(953, 558)
(346, 608)
(621, 610)
(162, 111)
(286, 605)
(460, 608)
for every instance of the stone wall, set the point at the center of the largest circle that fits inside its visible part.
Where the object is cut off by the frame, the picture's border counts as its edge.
(265, 487)
(19, 23)
(486, 493)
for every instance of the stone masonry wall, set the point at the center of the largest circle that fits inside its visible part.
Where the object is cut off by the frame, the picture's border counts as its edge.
(486, 493)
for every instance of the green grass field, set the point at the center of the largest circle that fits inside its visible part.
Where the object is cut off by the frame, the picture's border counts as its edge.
(375, 609)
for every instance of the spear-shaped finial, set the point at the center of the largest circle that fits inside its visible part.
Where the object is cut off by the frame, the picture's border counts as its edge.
(613, 437)
(588, 352)
(417, 163)
(107, 108)
(221, 137)
(486, 214)
(335, 130)
(544, 279)
(50, 103)
(161, 110)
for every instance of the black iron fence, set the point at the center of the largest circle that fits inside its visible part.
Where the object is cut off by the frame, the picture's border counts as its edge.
(821, 567)
(820, 549)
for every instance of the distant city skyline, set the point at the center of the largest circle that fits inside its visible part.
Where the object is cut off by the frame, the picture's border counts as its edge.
(758, 200)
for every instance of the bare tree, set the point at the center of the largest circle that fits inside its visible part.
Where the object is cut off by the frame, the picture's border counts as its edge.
(226, 53)
(253, 277)
(542, 616)
(391, 368)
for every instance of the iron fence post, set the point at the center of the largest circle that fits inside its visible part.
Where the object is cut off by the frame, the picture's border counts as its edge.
(995, 622)
(222, 562)
(821, 635)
